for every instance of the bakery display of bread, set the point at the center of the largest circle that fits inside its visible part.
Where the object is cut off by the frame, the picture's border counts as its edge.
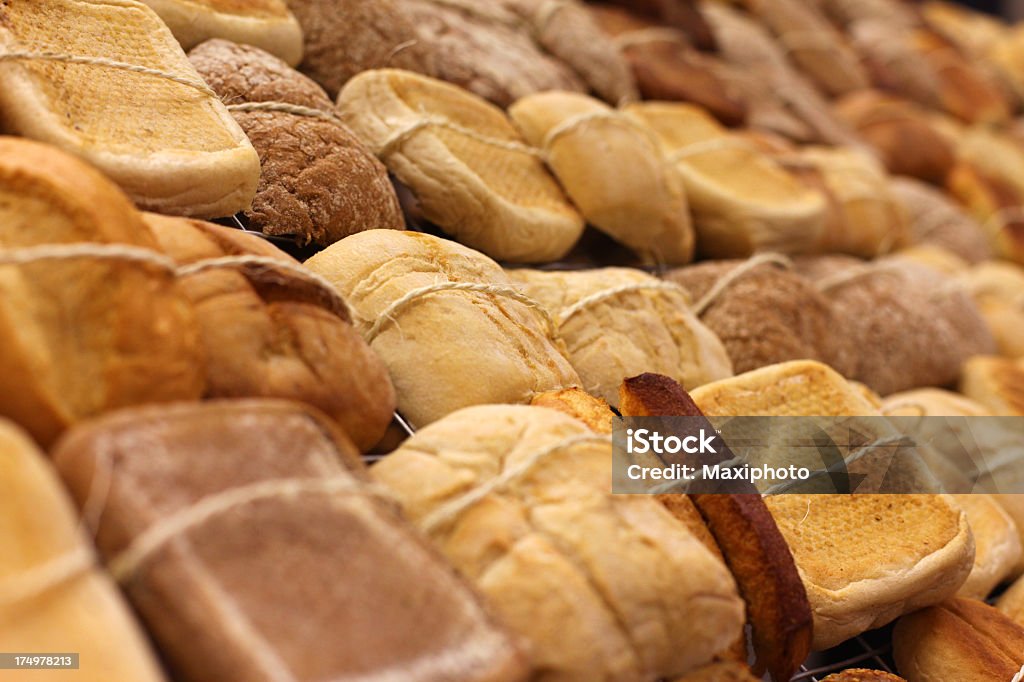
(599, 313)
(132, 106)
(304, 149)
(266, 24)
(195, 526)
(83, 613)
(960, 639)
(517, 497)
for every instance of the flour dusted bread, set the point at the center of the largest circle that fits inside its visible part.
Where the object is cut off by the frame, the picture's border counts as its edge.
(959, 640)
(446, 349)
(271, 333)
(170, 145)
(612, 168)
(318, 183)
(470, 170)
(937, 220)
(135, 338)
(742, 201)
(247, 536)
(266, 24)
(618, 323)
(534, 536)
(83, 614)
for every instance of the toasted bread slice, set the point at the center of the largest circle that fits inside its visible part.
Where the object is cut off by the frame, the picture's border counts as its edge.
(577, 403)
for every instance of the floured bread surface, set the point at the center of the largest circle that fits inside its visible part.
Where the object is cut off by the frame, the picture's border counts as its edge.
(742, 201)
(538, 546)
(612, 336)
(613, 169)
(172, 147)
(472, 172)
(84, 614)
(123, 334)
(447, 349)
(267, 24)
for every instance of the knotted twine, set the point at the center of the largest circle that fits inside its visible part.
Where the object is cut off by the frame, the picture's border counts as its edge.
(738, 273)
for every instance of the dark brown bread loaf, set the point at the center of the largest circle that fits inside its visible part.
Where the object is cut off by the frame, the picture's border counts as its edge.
(249, 540)
(317, 182)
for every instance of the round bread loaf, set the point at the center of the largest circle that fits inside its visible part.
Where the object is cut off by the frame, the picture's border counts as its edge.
(935, 219)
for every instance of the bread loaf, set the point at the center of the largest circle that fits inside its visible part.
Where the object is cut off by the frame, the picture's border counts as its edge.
(135, 336)
(618, 323)
(765, 314)
(517, 497)
(685, 16)
(936, 220)
(305, 158)
(961, 639)
(995, 202)
(998, 289)
(893, 12)
(468, 167)
(997, 383)
(266, 24)
(894, 64)
(439, 346)
(613, 170)
(246, 532)
(161, 134)
(593, 412)
(863, 675)
(1011, 602)
(83, 613)
(270, 333)
(742, 201)
(997, 544)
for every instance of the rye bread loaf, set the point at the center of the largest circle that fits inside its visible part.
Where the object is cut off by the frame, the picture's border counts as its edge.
(766, 316)
(937, 220)
(318, 182)
(439, 347)
(172, 146)
(864, 559)
(466, 164)
(82, 614)
(613, 170)
(742, 201)
(135, 335)
(961, 639)
(905, 325)
(245, 532)
(266, 24)
(517, 497)
(270, 333)
(618, 323)
(346, 38)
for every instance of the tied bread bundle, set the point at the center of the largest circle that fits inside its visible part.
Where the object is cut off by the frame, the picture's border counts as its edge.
(467, 165)
(272, 329)
(91, 318)
(518, 499)
(613, 170)
(447, 321)
(864, 559)
(134, 107)
(998, 289)
(684, 16)
(247, 536)
(306, 152)
(264, 24)
(52, 596)
(936, 220)
(618, 323)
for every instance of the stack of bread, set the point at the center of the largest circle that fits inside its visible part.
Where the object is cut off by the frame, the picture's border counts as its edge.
(250, 247)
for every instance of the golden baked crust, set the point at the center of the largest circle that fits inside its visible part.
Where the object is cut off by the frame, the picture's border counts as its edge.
(997, 383)
(863, 675)
(728, 671)
(574, 402)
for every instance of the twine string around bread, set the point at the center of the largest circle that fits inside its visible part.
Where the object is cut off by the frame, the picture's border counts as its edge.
(546, 13)
(646, 36)
(286, 108)
(852, 274)
(450, 511)
(404, 133)
(110, 64)
(612, 292)
(714, 144)
(388, 315)
(51, 574)
(738, 273)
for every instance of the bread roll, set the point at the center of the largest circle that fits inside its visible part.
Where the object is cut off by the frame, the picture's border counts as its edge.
(742, 201)
(937, 220)
(997, 544)
(998, 289)
(685, 16)
(305, 159)
(613, 334)
(266, 24)
(83, 613)
(247, 536)
(135, 335)
(439, 346)
(847, 12)
(270, 333)
(532, 531)
(931, 402)
(895, 65)
(612, 168)
(995, 383)
(1011, 602)
(468, 167)
(959, 641)
(170, 145)
(580, 405)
